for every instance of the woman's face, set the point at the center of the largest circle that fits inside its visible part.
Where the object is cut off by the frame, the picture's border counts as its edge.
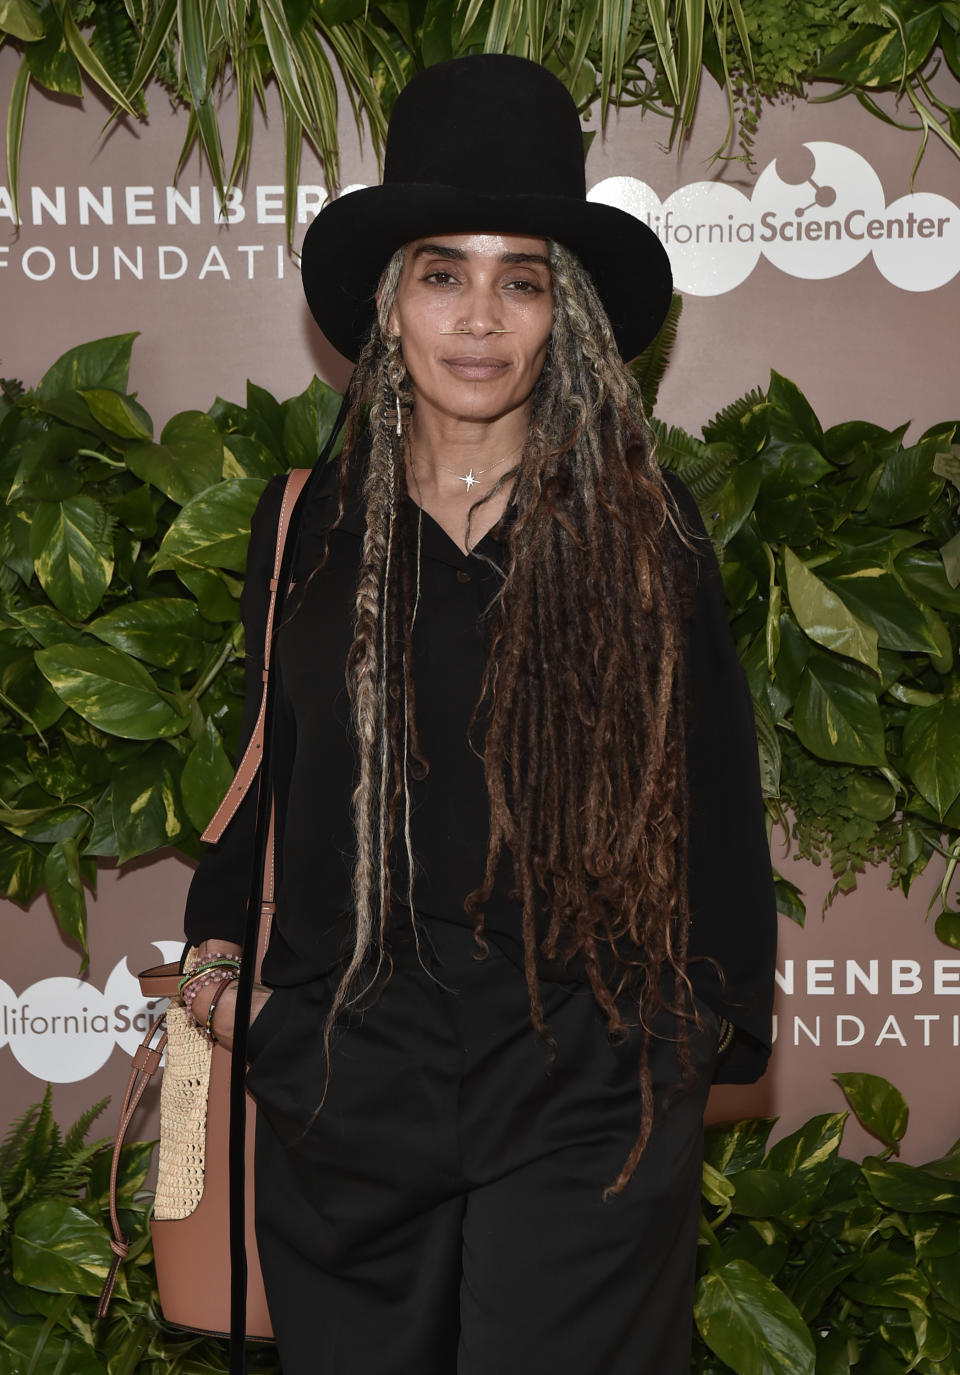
(474, 314)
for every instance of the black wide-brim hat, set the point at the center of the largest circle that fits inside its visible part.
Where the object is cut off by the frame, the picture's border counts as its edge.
(484, 144)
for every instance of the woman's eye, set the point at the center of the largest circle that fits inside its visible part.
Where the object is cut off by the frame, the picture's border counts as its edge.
(439, 278)
(523, 284)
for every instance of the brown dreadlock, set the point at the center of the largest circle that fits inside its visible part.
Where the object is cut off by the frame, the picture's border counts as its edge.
(583, 695)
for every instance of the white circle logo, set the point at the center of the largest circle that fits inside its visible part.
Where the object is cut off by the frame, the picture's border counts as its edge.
(815, 212)
(62, 1029)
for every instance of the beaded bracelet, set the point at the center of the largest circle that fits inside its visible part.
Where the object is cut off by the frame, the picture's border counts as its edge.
(726, 1035)
(213, 976)
(205, 971)
(199, 959)
(207, 1027)
(197, 970)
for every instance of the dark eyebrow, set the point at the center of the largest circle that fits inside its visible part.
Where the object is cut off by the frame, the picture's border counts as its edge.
(436, 250)
(525, 258)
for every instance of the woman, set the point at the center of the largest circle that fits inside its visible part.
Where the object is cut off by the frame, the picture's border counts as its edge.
(525, 897)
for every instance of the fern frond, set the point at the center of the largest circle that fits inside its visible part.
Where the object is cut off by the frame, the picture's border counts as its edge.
(45, 1141)
(727, 425)
(14, 1147)
(702, 467)
(74, 1138)
(116, 42)
(71, 1175)
(649, 367)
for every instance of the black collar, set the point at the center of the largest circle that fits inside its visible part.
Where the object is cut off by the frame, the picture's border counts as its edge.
(436, 543)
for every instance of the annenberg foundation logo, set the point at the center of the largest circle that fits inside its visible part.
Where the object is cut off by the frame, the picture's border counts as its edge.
(815, 212)
(63, 1029)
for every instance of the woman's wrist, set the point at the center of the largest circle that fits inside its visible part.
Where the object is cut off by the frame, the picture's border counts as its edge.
(225, 1008)
(215, 945)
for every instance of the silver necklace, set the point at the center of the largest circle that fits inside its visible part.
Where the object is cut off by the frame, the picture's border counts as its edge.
(471, 478)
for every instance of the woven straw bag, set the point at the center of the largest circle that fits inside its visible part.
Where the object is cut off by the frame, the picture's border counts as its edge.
(190, 1225)
(184, 1090)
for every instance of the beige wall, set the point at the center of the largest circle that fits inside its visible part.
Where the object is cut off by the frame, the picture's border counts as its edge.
(859, 344)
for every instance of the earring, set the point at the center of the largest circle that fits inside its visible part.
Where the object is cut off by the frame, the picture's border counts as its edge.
(399, 416)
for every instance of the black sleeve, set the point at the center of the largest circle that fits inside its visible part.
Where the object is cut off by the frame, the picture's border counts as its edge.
(733, 908)
(217, 899)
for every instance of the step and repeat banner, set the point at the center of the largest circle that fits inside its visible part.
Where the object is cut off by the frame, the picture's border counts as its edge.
(819, 259)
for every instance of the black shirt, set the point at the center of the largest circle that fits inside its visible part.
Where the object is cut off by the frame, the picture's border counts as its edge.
(730, 880)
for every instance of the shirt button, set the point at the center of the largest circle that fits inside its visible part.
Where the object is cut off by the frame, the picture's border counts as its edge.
(462, 575)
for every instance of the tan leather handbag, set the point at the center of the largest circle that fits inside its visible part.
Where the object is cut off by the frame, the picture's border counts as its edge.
(190, 1225)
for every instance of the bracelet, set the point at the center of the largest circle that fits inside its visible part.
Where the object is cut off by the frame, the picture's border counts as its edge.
(215, 976)
(229, 963)
(204, 981)
(727, 1030)
(207, 1027)
(199, 959)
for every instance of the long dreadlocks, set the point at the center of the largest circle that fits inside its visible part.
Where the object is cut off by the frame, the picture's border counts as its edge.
(583, 695)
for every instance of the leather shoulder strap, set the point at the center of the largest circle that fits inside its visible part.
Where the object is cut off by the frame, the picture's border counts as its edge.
(145, 1063)
(250, 763)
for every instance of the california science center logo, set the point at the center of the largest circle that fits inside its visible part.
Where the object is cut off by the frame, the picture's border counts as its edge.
(63, 1029)
(815, 212)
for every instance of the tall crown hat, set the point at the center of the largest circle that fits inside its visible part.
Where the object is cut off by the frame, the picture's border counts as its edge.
(482, 144)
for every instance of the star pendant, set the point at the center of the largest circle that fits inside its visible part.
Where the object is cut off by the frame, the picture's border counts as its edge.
(469, 479)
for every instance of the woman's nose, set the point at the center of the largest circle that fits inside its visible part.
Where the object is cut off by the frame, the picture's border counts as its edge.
(481, 312)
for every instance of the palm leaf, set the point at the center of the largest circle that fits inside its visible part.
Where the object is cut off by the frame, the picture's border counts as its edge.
(500, 26)
(91, 64)
(15, 113)
(740, 22)
(280, 46)
(470, 15)
(660, 24)
(614, 26)
(244, 140)
(583, 32)
(718, 19)
(196, 66)
(690, 48)
(150, 46)
(189, 139)
(324, 87)
(232, 14)
(398, 74)
(535, 23)
(292, 145)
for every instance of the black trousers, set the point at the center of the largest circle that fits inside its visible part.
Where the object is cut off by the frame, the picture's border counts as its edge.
(443, 1213)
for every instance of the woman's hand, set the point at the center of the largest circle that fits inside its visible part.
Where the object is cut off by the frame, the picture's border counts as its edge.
(225, 1010)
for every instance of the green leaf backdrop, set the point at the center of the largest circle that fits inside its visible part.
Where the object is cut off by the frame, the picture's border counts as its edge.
(121, 559)
(809, 1263)
(650, 53)
(121, 564)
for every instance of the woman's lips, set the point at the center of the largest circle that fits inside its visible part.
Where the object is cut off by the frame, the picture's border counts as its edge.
(475, 368)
